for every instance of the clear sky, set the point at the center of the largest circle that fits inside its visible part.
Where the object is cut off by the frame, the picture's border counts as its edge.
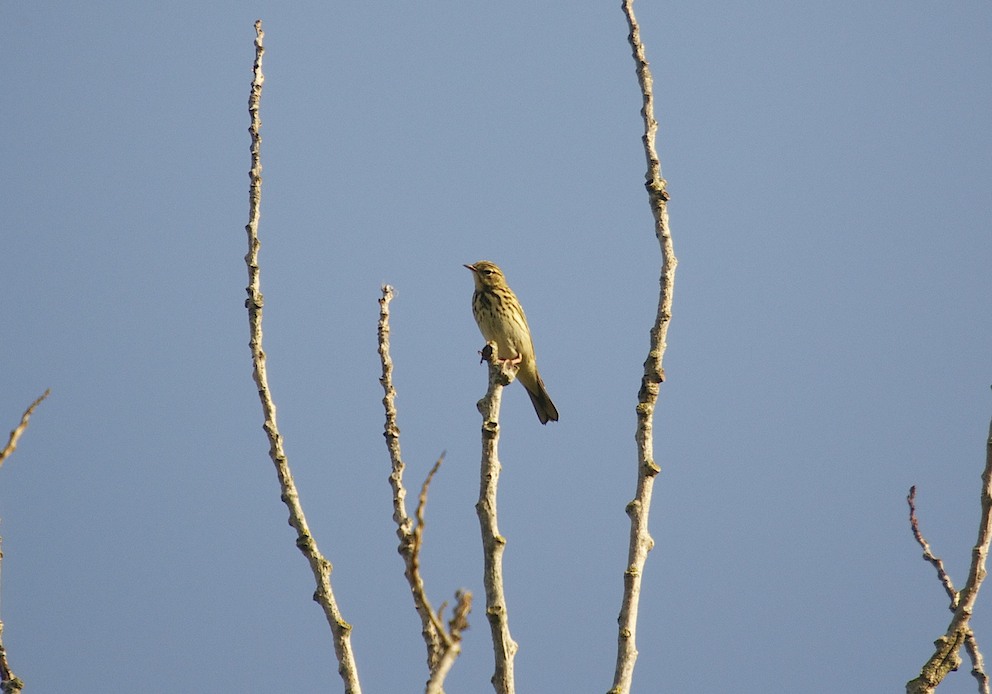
(830, 166)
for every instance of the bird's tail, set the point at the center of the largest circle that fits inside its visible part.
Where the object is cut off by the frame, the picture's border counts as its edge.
(546, 410)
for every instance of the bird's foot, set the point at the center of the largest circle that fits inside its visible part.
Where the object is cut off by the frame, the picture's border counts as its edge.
(487, 354)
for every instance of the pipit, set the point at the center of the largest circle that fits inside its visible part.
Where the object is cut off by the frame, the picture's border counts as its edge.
(501, 320)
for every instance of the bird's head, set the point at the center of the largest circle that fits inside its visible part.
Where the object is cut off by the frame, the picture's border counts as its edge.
(487, 275)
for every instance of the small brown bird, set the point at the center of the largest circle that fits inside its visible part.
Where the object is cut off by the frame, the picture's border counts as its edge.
(501, 320)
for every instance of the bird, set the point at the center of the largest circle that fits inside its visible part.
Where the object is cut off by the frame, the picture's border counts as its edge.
(501, 320)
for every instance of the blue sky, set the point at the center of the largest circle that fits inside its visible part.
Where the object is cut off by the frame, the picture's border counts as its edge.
(830, 168)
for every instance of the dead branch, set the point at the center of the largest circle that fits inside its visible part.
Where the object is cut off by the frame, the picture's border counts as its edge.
(319, 565)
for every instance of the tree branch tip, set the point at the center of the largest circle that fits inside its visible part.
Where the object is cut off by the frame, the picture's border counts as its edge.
(486, 353)
(911, 499)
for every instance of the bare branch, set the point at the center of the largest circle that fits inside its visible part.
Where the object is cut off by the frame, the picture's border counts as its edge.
(977, 662)
(970, 643)
(946, 657)
(458, 623)
(654, 374)
(404, 525)
(501, 373)
(15, 435)
(319, 565)
(418, 530)
(928, 555)
(443, 646)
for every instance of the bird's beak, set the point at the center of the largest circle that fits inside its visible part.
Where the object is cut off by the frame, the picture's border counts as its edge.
(470, 267)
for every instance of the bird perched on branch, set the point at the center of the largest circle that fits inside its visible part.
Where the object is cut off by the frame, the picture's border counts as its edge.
(501, 320)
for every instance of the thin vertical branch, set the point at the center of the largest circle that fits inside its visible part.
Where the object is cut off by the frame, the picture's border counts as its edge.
(404, 524)
(946, 657)
(493, 544)
(319, 565)
(640, 539)
(443, 646)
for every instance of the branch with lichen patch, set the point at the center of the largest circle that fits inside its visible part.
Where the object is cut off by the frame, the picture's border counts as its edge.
(501, 373)
(319, 565)
(640, 542)
(946, 657)
(970, 642)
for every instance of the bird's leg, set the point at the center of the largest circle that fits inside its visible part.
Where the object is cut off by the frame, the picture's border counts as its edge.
(487, 354)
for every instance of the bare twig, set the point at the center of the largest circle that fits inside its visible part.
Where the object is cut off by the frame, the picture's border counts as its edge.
(458, 623)
(946, 657)
(501, 373)
(640, 539)
(418, 529)
(928, 555)
(404, 524)
(15, 435)
(977, 662)
(443, 646)
(319, 565)
(9, 682)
